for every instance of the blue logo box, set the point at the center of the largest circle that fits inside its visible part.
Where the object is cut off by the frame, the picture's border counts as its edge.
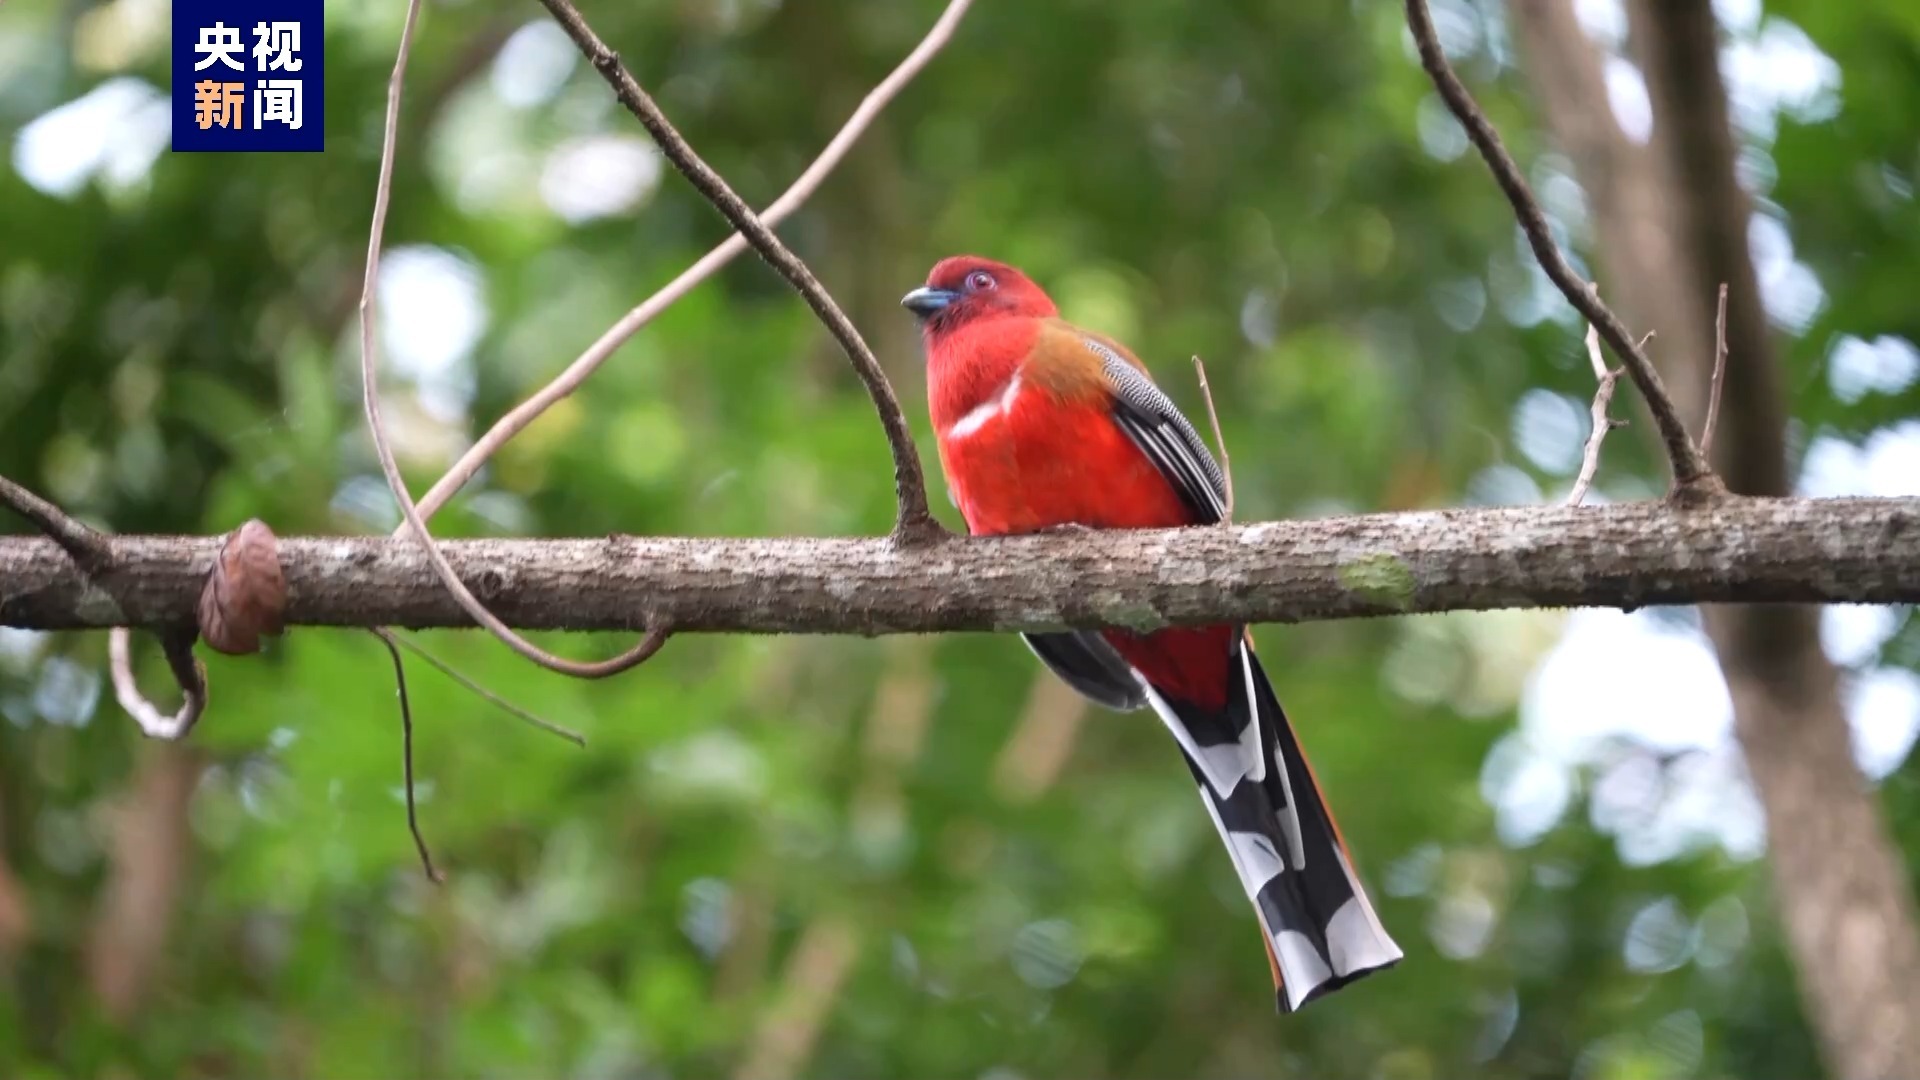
(248, 75)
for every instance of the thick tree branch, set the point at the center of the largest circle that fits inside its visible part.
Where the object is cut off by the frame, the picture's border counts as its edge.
(1691, 473)
(914, 522)
(1629, 555)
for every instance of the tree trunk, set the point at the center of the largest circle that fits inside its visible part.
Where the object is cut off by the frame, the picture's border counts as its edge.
(1671, 224)
(152, 840)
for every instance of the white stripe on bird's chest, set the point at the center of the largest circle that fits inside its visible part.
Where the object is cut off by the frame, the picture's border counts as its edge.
(994, 408)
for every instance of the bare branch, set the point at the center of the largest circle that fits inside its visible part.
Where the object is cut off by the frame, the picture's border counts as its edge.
(370, 399)
(1742, 551)
(86, 546)
(406, 755)
(1719, 372)
(1219, 440)
(630, 324)
(1590, 456)
(492, 698)
(192, 677)
(913, 523)
(1603, 397)
(1691, 473)
(1594, 356)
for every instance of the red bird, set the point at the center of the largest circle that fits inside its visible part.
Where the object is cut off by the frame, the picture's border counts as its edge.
(1044, 425)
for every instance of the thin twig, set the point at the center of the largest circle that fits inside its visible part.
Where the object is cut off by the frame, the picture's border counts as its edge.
(1594, 356)
(406, 754)
(913, 522)
(496, 700)
(86, 546)
(1219, 440)
(1719, 372)
(1690, 469)
(178, 645)
(370, 398)
(630, 324)
(1602, 398)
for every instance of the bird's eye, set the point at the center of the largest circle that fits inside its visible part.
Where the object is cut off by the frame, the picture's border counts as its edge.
(980, 281)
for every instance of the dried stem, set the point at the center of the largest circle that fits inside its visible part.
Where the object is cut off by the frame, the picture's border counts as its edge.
(1719, 372)
(913, 522)
(1691, 473)
(1219, 440)
(406, 755)
(494, 699)
(178, 645)
(1603, 397)
(630, 324)
(370, 396)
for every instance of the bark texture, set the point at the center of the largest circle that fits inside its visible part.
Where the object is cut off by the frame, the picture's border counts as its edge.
(1671, 224)
(1629, 555)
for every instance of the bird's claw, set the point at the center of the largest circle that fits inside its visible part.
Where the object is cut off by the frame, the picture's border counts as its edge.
(1070, 527)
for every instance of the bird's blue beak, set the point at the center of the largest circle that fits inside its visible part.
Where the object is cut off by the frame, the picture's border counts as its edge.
(926, 303)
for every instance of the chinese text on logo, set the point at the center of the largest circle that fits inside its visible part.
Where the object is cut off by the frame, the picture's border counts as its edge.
(247, 76)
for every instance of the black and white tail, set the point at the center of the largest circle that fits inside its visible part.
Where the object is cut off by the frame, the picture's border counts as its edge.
(1321, 930)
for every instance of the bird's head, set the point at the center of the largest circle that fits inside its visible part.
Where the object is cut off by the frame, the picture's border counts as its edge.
(966, 288)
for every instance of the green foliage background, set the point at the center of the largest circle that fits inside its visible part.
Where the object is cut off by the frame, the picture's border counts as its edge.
(1268, 183)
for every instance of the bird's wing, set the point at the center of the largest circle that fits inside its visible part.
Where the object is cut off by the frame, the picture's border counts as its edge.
(1155, 425)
